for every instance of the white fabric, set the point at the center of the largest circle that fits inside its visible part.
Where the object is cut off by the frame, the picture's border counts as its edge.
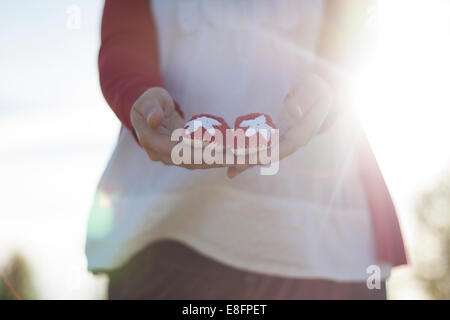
(230, 58)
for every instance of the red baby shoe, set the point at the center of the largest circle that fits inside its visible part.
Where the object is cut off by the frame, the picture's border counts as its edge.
(255, 133)
(204, 129)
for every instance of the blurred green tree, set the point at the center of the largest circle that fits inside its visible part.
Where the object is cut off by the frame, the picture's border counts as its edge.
(432, 259)
(16, 280)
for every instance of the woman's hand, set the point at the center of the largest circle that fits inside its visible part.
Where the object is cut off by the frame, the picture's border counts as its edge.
(154, 118)
(308, 104)
(305, 108)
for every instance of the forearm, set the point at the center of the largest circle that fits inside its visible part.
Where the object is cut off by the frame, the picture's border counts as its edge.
(128, 58)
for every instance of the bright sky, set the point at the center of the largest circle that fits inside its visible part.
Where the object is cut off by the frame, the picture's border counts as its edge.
(52, 155)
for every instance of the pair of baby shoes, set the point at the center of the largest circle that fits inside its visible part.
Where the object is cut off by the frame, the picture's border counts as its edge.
(252, 133)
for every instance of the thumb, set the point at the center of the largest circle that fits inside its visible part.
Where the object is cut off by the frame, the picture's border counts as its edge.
(291, 103)
(165, 100)
(155, 117)
(155, 104)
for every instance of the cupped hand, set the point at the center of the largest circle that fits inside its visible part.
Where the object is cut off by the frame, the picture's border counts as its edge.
(307, 106)
(154, 118)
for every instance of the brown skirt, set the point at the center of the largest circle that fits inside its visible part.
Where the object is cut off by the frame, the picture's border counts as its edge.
(171, 270)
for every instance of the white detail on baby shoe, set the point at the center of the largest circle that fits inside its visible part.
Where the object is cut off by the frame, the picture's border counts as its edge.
(205, 122)
(258, 124)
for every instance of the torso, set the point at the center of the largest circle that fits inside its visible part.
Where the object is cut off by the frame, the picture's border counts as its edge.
(229, 58)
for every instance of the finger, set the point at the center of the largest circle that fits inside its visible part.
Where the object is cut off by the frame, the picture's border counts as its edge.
(173, 122)
(165, 101)
(155, 105)
(292, 106)
(151, 138)
(152, 155)
(235, 171)
(158, 142)
(301, 134)
(155, 118)
(166, 111)
(177, 121)
(232, 172)
(306, 92)
(150, 110)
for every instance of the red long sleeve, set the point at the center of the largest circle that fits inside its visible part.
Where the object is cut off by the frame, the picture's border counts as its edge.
(128, 58)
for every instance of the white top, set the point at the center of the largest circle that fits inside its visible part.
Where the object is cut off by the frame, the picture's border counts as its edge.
(230, 58)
